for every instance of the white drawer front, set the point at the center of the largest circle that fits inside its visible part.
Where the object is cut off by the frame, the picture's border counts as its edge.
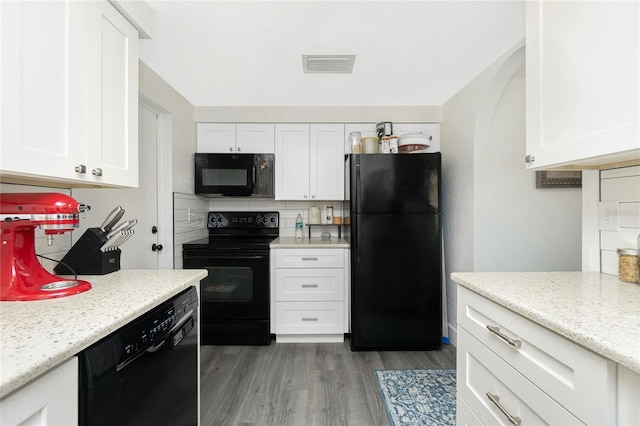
(309, 258)
(309, 284)
(480, 371)
(464, 415)
(309, 317)
(577, 378)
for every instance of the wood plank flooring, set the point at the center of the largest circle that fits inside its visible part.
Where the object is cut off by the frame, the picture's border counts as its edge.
(301, 384)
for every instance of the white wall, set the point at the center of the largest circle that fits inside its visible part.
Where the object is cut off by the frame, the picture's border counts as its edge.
(494, 218)
(516, 226)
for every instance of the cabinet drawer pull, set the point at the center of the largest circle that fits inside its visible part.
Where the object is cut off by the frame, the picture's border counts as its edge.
(309, 285)
(512, 342)
(96, 172)
(310, 258)
(515, 421)
(309, 319)
(81, 168)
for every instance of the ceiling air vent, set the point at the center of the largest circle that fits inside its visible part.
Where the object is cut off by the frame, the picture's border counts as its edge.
(328, 64)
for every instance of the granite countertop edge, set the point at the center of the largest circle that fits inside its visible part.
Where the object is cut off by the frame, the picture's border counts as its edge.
(594, 310)
(37, 336)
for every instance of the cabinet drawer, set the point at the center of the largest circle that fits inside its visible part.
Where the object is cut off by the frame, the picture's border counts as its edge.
(578, 379)
(480, 372)
(309, 317)
(309, 284)
(309, 258)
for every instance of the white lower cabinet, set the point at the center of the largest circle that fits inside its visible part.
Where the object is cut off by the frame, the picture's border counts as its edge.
(537, 375)
(51, 399)
(309, 294)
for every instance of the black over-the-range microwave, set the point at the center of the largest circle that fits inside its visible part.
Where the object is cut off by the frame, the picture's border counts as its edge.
(235, 175)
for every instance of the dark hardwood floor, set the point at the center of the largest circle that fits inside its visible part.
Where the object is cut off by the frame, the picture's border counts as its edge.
(301, 384)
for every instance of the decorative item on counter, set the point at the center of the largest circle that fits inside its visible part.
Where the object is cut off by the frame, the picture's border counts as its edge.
(326, 236)
(370, 145)
(299, 226)
(628, 265)
(329, 216)
(347, 220)
(393, 144)
(337, 220)
(385, 145)
(314, 215)
(356, 142)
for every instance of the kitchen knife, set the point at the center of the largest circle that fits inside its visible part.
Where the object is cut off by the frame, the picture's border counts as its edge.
(121, 226)
(112, 218)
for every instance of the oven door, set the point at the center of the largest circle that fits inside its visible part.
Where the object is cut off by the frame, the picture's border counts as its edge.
(237, 287)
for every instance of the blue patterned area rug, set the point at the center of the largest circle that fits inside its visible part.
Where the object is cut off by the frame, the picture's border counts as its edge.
(419, 397)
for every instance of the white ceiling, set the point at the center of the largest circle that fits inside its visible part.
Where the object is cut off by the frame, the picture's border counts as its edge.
(249, 53)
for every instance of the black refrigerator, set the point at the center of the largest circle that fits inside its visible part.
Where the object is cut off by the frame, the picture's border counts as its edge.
(396, 251)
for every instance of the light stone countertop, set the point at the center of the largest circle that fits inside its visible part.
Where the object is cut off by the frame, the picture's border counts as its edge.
(594, 310)
(36, 336)
(313, 242)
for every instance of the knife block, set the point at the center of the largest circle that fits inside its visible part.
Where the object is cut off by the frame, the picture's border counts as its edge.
(86, 258)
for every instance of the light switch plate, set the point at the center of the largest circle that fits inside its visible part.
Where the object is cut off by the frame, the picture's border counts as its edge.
(608, 213)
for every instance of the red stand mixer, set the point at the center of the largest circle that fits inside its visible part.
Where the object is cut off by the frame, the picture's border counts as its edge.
(21, 274)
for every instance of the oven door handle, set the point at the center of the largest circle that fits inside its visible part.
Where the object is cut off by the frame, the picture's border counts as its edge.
(231, 256)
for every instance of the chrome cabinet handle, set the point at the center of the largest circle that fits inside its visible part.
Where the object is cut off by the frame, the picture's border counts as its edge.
(231, 148)
(239, 149)
(310, 258)
(81, 168)
(512, 342)
(305, 195)
(96, 172)
(309, 319)
(515, 421)
(313, 196)
(309, 285)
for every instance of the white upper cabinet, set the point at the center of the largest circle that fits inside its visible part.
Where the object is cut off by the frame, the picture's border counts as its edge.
(112, 96)
(582, 85)
(309, 162)
(69, 93)
(229, 138)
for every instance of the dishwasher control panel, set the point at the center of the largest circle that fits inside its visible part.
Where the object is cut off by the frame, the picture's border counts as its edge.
(149, 332)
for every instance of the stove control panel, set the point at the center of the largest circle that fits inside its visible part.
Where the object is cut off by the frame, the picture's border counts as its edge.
(243, 220)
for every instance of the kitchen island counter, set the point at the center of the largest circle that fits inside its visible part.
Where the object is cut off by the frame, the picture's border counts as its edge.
(594, 310)
(313, 242)
(36, 336)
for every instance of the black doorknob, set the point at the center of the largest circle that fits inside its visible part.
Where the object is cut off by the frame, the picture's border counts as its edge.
(154, 230)
(156, 247)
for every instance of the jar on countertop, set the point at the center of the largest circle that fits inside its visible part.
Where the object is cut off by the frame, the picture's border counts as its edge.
(628, 265)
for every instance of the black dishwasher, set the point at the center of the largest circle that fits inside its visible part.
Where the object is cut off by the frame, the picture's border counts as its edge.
(145, 373)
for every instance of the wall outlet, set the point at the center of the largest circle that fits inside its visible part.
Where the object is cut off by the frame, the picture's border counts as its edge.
(608, 215)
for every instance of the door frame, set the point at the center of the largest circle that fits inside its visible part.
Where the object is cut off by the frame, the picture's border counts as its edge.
(164, 180)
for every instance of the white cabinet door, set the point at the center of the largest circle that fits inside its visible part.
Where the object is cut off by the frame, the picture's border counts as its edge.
(42, 102)
(255, 138)
(51, 399)
(583, 91)
(69, 93)
(216, 138)
(292, 162)
(112, 97)
(309, 162)
(326, 162)
(230, 138)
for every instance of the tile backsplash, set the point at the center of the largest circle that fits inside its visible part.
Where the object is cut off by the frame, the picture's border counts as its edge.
(190, 216)
(619, 214)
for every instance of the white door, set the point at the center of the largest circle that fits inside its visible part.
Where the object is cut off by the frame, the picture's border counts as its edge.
(139, 203)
